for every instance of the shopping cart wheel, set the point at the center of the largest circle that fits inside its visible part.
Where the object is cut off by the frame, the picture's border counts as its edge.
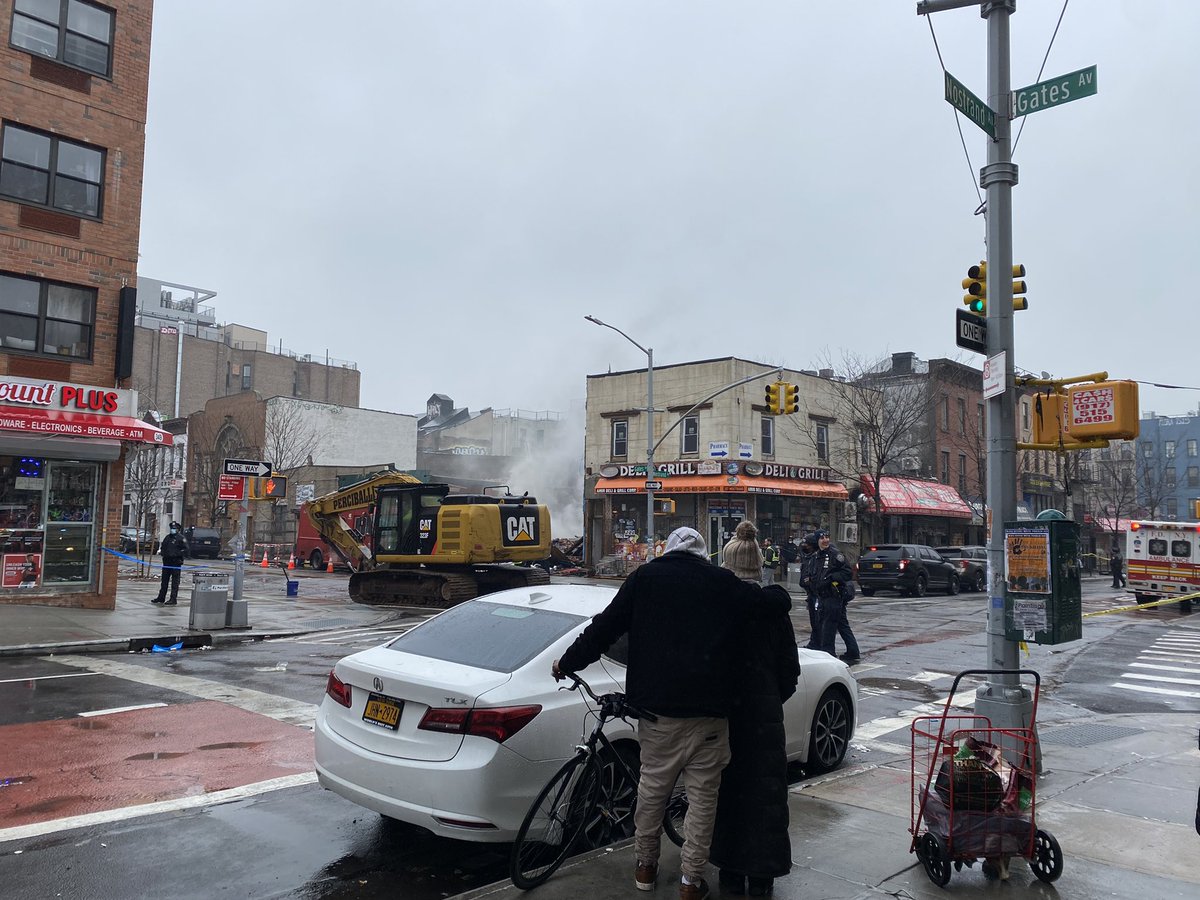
(933, 857)
(1047, 860)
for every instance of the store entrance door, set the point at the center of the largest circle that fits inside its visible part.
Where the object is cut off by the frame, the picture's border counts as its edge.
(723, 518)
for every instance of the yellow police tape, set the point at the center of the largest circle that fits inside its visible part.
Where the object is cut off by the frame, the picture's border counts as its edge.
(1163, 602)
(1104, 612)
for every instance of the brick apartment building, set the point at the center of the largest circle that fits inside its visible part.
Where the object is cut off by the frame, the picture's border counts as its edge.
(72, 141)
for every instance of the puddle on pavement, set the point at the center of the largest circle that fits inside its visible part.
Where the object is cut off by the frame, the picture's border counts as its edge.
(231, 745)
(917, 688)
(14, 780)
(91, 724)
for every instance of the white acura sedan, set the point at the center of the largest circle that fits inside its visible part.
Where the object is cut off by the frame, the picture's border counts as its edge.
(457, 724)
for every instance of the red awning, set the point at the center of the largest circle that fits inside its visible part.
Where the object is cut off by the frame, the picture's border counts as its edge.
(60, 423)
(908, 496)
(731, 484)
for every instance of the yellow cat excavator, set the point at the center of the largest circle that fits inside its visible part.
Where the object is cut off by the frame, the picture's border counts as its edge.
(428, 547)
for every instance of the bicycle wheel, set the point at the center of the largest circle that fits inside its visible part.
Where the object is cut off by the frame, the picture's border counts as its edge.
(611, 819)
(554, 821)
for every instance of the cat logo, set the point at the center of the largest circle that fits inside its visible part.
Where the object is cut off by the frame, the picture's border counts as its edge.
(520, 529)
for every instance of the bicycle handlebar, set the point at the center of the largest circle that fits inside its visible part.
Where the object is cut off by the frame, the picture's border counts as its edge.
(612, 706)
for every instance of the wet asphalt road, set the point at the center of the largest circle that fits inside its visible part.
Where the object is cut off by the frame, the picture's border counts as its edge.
(300, 841)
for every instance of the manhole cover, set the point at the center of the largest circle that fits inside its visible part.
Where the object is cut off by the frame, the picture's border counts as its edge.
(1086, 735)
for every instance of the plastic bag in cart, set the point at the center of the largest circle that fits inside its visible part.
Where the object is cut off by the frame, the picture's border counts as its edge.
(978, 778)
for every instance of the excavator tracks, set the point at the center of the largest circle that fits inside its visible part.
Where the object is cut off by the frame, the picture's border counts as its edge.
(435, 589)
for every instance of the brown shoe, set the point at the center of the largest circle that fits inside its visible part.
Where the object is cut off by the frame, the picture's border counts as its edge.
(646, 876)
(693, 891)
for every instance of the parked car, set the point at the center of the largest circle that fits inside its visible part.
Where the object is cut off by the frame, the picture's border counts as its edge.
(971, 563)
(911, 569)
(457, 724)
(203, 542)
(137, 540)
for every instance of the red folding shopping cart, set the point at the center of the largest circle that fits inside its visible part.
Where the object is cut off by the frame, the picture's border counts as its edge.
(974, 791)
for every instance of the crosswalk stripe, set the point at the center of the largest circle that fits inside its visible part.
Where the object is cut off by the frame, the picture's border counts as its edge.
(1171, 654)
(1147, 689)
(1141, 677)
(1140, 665)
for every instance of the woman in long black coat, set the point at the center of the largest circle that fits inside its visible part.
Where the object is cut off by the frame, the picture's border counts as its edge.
(750, 841)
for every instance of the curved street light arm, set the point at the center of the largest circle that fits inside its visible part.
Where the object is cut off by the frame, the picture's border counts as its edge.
(728, 387)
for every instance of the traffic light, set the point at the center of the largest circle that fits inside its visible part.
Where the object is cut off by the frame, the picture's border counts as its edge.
(975, 285)
(1196, 510)
(791, 398)
(773, 398)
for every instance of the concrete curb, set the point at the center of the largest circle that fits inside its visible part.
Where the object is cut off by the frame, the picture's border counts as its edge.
(191, 640)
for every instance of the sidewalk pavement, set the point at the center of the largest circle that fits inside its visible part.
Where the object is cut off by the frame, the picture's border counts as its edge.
(1118, 793)
(322, 603)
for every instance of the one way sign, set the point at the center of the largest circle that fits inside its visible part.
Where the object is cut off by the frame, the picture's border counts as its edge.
(253, 468)
(971, 331)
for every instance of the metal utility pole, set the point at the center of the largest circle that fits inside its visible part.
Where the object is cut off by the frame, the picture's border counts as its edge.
(1001, 699)
(650, 445)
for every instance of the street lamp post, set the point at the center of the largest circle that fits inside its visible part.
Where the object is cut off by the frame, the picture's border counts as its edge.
(649, 351)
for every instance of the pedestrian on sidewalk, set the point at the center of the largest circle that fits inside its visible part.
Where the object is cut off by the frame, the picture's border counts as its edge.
(174, 551)
(682, 615)
(770, 557)
(751, 846)
(831, 579)
(741, 555)
(1117, 566)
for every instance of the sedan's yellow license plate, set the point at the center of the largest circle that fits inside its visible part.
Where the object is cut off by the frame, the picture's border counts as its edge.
(383, 711)
(876, 565)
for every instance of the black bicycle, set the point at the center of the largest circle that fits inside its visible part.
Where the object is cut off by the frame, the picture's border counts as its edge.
(589, 802)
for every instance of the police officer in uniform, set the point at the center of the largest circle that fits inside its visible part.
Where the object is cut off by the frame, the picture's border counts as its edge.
(807, 556)
(830, 570)
(173, 549)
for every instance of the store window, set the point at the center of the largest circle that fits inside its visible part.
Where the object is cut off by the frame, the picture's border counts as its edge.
(47, 523)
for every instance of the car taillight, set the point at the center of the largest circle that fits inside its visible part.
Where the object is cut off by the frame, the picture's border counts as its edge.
(962, 564)
(902, 565)
(497, 723)
(338, 690)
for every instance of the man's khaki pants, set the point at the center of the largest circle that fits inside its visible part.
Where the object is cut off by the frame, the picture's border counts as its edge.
(699, 749)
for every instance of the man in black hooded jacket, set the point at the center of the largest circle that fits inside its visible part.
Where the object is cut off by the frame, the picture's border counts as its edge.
(682, 615)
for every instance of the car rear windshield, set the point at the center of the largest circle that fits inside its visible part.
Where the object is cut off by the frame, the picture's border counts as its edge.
(882, 550)
(950, 551)
(493, 636)
(205, 533)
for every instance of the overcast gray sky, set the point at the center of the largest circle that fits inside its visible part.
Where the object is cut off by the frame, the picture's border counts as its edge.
(441, 190)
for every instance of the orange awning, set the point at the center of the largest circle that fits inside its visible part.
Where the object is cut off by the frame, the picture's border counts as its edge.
(732, 484)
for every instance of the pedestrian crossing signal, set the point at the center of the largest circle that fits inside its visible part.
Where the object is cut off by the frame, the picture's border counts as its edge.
(272, 487)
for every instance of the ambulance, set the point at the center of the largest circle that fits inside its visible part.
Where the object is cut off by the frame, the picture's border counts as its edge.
(1162, 559)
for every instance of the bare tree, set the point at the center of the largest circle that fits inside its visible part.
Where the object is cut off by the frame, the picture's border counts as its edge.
(885, 423)
(145, 487)
(1116, 490)
(1155, 483)
(290, 438)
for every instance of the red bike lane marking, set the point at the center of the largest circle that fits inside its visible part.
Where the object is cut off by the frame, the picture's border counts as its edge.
(69, 767)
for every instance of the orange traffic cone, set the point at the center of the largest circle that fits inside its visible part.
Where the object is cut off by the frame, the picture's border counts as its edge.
(264, 564)
(329, 567)
(291, 561)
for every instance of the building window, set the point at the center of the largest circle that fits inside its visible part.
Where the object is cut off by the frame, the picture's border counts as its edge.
(1025, 414)
(962, 416)
(823, 443)
(864, 448)
(945, 413)
(620, 438)
(247, 381)
(45, 317)
(49, 171)
(1193, 476)
(979, 419)
(1172, 508)
(70, 31)
(1169, 478)
(690, 439)
(945, 467)
(1147, 449)
(1191, 447)
(962, 473)
(1169, 449)
(767, 442)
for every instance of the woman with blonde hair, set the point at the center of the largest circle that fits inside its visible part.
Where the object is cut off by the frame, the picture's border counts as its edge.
(750, 844)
